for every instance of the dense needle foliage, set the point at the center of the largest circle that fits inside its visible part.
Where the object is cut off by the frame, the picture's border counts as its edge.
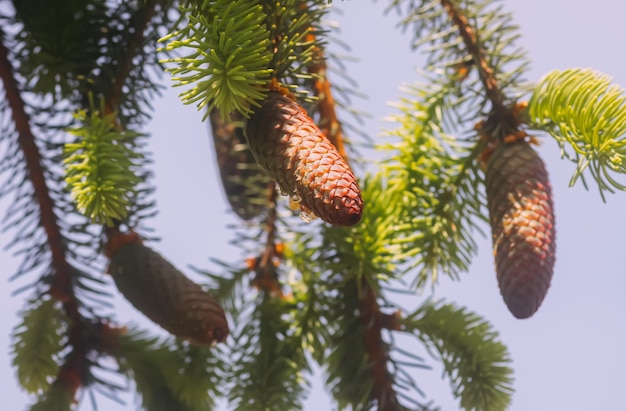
(78, 78)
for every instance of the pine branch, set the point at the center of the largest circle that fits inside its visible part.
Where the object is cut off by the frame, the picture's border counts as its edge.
(141, 20)
(322, 89)
(474, 48)
(61, 287)
(38, 343)
(57, 398)
(476, 363)
(268, 363)
(156, 371)
(373, 322)
(265, 266)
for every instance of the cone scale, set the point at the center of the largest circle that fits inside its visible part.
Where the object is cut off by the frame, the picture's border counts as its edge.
(521, 213)
(165, 295)
(294, 152)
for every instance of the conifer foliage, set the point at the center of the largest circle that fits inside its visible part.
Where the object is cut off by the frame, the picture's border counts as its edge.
(78, 78)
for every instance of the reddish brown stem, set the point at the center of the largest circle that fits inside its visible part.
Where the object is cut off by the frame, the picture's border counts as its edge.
(266, 278)
(61, 287)
(33, 160)
(144, 15)
(374, 321)
(486, 72)
(328, 121)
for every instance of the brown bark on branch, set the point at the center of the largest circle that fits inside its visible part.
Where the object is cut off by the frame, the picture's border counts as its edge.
(472, 44)
(266, 278)
(328, 121)
(61, 287)
(144, 15)
(374, 321)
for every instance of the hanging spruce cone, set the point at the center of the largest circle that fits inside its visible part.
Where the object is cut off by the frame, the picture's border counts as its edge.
(163, 294)
(296, 154)
(243, 180)
(519, 198)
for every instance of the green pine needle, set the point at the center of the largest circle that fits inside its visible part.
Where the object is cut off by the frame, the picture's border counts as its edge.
(168, 378)
(477, 364)
(436, 178)
(586, 114)
(350, 376)
(268, 363)
(227, 66)
(38, 340)
(99, 167)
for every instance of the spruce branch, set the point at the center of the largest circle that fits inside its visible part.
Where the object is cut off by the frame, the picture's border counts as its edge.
(61, 287)
(155, 366)
(477, 364)
(374, 321)
(586, 114)
(38, 343)
(436, 179)
(266, 276)
(293, 26)
(62, 282)
(322, 89)
(361, 372)
(141, 19)
(58, 398)
(268, 363)
(478, 54)
(471, 52)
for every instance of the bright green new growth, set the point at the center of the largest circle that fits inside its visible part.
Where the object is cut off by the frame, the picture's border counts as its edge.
(581, 109)
(38, 342)
(99, 167)
(227, 65)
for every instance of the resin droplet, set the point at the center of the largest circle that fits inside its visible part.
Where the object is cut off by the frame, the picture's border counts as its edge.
(307, 216)
(294, 202)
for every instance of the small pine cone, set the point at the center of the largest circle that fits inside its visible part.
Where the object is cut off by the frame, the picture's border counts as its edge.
(243, 180)
(519, 198)
(296, 154)
(163, 294)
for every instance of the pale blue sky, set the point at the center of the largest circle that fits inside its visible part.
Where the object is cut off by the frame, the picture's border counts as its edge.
(570, 355)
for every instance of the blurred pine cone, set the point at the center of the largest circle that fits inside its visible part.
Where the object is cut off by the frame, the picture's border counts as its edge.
(519, 198)
(163, 294)
(245, 184)
(296, 154)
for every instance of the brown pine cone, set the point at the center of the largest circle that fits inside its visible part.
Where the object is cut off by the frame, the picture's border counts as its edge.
(243, 180)
(296, 154)
(163, 294)
(521, 212)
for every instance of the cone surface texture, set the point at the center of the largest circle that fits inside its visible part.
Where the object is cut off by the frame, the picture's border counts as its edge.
(521, 213)
(163, 294)
(243, 180)
(296, 154)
